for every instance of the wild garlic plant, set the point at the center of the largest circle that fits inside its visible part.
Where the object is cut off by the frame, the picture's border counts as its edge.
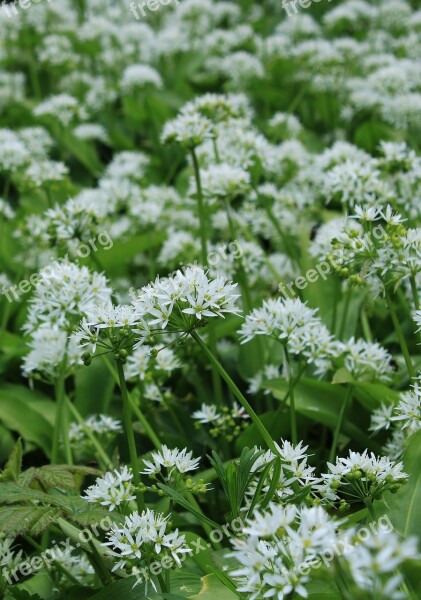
(210, 308)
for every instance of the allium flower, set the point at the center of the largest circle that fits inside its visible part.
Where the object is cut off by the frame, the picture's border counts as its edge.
(223, 182)
(189, 130)
(180, 460)
(98, 424)
(408, 411)
(367, 361)
(138, 76)
(91, 131)
(49, 350)
(146, 360)
(142, 538)
(374, 563)
(181, 302)
(207, 413)
(6, 212)
(361, 478)
(64, 292)
(279, 550)
(295, 325)
(295, 477)
(381, 417)
(38, 173)
(63, 107)
(9, 557)
(112, 490)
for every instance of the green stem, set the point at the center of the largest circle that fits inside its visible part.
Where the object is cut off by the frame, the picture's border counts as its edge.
(415, 292)
(400, 335)
(366, 326)
(98, 564)
(162, 583)
(201, 210)
(242, 276)
(143, 420)
(336, 290)
(280, 232)
(261, 428)
(370, 508)
(88, 432)
(339, 424)
(216, 382)
(61, 422)
(127, 419)
(345, 313)
(291, 385)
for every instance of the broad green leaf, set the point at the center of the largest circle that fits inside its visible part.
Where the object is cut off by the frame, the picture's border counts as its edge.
(20, 411)
(94, 389)
(13, 466)
(62, 476)
(403, 508)
(15, 520)
(213, 589)
(342, 376)
(372, 395)
(40, 585)
(6, 443)
(321, 402)
(121, 589)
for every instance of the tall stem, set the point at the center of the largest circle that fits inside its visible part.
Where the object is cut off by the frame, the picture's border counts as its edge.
(214, 361)
(291, 385)
(201, 210)
(61, 422)
(339, 424)
(245, 291)
(216, 382)
(128, 427)
(415, 294)
(139, 415)
(345, 313)
(401, 337)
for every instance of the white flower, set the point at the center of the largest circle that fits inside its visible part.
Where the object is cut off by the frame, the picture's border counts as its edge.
(143, 537)
(408, 411)
(135, 76)
(112, 490)
(180, 301)
(189, 130)
(168, 458)
(207, 413)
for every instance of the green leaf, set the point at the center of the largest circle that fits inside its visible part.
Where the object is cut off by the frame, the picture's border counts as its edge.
(15, 520)
(372, 395)
(63, 476)
(26, 412)
(178, 498)
(403, 508)
(321, 402)
(213, 589)
(14, 464)
(342, 375)
(121, 589)
(7, 442)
